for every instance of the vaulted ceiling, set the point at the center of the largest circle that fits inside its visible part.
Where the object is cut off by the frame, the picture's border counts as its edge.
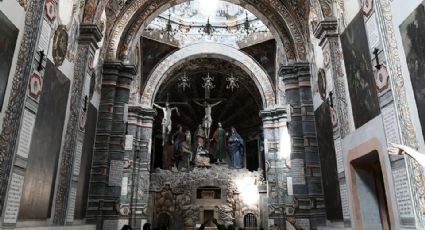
(126, 20)
(239, 108)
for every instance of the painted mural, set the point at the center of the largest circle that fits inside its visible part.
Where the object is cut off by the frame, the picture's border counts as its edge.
(358, 66)
(152, 53)
(265, 54)
(412, 31)
(8, 36)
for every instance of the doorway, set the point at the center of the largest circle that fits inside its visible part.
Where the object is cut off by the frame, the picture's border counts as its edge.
(370, 201)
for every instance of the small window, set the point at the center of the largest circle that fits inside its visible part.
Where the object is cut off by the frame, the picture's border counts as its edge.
(250, 221)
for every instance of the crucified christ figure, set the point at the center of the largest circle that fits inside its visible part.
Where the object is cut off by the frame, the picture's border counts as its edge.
(207, 118)
(166, 120)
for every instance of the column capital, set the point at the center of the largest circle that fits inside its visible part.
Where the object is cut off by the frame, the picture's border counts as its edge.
(119, 70)
(141, 111)
(275, 113)
(295, 70)
(129, 69)
(325, 29)
(90, 34)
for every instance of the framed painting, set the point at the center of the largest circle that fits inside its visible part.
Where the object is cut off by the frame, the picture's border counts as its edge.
(8, 36)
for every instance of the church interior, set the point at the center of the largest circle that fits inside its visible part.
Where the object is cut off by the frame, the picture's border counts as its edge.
(212, 114)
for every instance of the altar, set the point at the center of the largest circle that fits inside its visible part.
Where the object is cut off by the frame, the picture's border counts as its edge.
(184, 200)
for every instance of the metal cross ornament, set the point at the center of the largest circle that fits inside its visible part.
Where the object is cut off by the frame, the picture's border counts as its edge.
(184, 82)
(232, 82)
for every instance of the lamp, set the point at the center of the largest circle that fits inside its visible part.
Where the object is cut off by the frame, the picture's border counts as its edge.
(169, 28)
(232, 82)
(184, 82)
(207, 29)
(208, 82)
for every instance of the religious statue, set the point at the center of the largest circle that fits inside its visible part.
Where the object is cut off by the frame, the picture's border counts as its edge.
(166, 120)
(202, 154)
(200, 141)
(178, 138)
(207, 118)
(236, 149)
(186, 151)
(219, 138)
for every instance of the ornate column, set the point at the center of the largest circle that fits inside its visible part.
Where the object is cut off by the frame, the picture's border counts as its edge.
(398, 124)
(108, 155)
(307, 204)
(137, 159)
(16, 108)
(342, 120)
(69, 169)
(277, 171)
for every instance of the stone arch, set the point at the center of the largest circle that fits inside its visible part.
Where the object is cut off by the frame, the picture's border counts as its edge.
(92, 10)
(162, 70)
(134, 15)
(327, 8)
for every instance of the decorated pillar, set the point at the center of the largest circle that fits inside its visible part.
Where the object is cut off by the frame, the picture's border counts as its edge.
(71, 154)
(19, 113)
(277, 170)
(339, 100)
(108, 155)
(137, 159)
(306, 207)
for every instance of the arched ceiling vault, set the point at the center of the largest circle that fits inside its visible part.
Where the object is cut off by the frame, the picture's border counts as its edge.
(239, 108)
(287, 18)
(210, 50)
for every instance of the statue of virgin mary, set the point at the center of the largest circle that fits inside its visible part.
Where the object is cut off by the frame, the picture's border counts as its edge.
(236, 149)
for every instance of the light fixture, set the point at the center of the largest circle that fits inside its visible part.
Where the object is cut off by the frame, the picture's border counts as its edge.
(184, 82)
(208, 82)
(169, 28)
(208, 8)
(232, 82)
(208, 29)
(246, 24)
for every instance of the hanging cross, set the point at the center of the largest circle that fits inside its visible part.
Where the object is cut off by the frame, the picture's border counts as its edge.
(167, 112)
(378, 65)
(207, 103)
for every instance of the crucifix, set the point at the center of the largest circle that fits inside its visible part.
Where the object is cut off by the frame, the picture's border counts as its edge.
(207, 104)
(167, 110)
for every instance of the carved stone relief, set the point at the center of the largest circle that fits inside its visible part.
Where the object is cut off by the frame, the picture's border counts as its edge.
(175, 192)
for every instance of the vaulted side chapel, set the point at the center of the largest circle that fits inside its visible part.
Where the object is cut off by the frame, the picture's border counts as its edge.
(212, 114)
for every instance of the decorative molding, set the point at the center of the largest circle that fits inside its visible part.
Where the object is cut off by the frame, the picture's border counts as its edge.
(89, 36)
(90, 33)
(15, 107)
(416, 177)
(325, 29)
(162, 70)
(118, 45)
